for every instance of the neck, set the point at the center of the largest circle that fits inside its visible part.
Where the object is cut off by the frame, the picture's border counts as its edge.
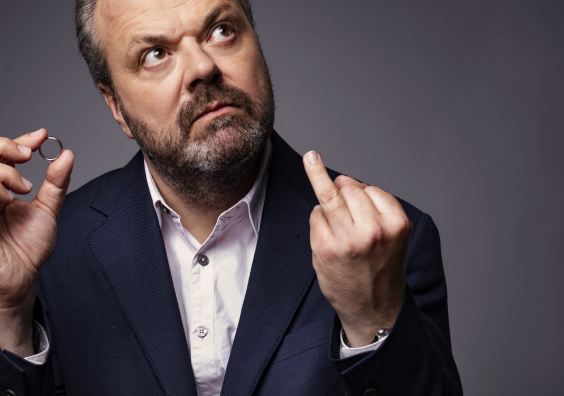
(200, 207)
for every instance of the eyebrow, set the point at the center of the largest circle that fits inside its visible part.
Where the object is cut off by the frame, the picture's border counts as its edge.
(152, 39)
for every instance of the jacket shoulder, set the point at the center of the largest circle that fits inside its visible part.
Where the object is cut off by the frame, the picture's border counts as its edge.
(111, 184)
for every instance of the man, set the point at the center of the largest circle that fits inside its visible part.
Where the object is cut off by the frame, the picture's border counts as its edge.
(215, 261)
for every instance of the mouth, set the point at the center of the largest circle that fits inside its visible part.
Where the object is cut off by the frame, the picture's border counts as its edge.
(213, 110)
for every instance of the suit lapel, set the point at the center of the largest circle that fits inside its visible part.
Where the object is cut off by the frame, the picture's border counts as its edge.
(131, 253)
(281, 272)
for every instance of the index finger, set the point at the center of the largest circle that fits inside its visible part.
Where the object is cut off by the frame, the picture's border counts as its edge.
(326, 191)
(32, 140)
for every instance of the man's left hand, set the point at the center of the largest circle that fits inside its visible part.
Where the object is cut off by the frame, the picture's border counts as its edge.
(358, 237)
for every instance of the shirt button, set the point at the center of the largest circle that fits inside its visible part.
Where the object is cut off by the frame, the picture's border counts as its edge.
(201, 332)
(203, 260)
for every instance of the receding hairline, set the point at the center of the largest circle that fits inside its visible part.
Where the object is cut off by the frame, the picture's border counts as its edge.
(223, 5)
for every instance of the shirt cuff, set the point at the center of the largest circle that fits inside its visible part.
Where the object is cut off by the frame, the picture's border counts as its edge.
(40, 345)
(345, 351)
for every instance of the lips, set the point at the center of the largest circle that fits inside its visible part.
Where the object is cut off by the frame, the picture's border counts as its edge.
(214, 107)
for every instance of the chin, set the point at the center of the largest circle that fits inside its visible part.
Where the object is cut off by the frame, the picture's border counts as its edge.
(220, 128)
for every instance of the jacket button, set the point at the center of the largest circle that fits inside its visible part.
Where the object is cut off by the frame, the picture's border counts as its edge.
(8, 392)
(370, 392)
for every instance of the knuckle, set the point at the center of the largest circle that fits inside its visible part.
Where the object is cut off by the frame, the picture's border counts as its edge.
(314, 215)
(376, 234)
(373, 238)
(334, 207)
(355, 249)
(341, 178)
(366, 235)
(326, 253)
(403, 226)
(328, 194)
(12, 173)
(4, 195)
(347, 247)
(4, 144)
(7, 172)
(349, 189)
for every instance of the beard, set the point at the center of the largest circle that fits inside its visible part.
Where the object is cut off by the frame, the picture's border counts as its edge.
(209, 167)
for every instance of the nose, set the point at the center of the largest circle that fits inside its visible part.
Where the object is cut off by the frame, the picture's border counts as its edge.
(200, 67)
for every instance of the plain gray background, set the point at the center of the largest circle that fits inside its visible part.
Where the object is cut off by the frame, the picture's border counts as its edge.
(456, 106)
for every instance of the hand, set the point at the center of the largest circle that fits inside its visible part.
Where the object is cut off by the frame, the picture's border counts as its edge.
(27, 234)
(358, 237)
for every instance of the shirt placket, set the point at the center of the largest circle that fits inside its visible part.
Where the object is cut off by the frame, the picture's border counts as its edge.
(202, 321)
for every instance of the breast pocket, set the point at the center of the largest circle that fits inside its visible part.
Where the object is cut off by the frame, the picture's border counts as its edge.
(304, 339)
(302, 364)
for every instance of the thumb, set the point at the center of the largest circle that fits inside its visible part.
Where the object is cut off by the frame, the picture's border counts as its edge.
(57, 178)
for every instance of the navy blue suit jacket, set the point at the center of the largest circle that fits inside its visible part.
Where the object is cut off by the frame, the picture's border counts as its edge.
(108, 301)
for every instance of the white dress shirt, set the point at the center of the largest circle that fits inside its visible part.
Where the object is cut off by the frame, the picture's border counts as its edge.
(210, 280)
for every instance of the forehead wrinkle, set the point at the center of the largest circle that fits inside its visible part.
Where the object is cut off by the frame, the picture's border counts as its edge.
(116, 19)
(114, 10)
(153, 19)
(168, 31)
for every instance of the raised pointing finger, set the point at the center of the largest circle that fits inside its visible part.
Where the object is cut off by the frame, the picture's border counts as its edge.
(325, 190)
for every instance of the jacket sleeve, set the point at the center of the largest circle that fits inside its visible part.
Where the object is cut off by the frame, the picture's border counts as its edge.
(23, 378)
(416, 358)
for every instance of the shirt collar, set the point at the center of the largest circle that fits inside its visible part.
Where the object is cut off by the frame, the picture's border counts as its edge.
(253, 200)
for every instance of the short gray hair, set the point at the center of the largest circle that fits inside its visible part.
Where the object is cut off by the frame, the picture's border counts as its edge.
(90, 47)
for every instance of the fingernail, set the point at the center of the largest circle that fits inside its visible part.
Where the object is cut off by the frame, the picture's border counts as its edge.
(24, 149)
(37, 133)
(312, 157)
(11, 195)
(27, 183)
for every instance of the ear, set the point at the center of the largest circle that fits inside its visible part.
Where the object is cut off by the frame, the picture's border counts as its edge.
(111, 102)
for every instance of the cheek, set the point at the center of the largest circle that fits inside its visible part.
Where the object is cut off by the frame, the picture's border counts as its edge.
(246, 71)
(154, 101)
(253, 82)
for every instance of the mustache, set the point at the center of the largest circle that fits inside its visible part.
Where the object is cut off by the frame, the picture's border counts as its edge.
(206, 95)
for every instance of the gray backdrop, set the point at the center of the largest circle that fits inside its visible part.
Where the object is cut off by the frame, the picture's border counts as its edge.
(452, 105)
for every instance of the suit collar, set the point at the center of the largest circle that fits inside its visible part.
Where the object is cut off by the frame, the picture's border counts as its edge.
(253, 200)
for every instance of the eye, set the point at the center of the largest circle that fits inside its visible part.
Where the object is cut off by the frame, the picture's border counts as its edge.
(154, 56)
(221, 33)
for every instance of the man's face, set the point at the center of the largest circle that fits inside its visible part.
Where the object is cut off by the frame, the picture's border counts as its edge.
(191, 83)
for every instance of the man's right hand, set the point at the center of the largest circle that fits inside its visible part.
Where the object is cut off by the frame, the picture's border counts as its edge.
(27, 235)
